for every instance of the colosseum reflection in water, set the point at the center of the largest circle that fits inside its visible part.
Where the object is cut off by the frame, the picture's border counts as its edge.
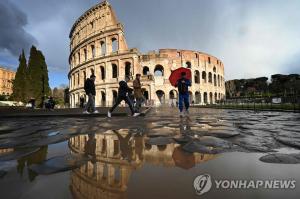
(98, 46)
(115, 156)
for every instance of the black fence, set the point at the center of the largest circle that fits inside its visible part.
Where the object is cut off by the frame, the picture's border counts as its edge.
(276, 103)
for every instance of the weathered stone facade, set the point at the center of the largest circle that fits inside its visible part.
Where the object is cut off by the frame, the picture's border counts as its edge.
(6, 77)
(98, 46)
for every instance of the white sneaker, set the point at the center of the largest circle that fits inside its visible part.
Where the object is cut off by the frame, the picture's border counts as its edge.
(108, 114)
(136, 114)
(85, 112)
(96, 112)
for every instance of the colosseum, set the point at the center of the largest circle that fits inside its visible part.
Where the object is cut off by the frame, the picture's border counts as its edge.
(98, 46)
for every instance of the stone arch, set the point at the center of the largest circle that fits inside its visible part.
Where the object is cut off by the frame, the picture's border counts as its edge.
(85, 54)
(93, 50)
(204, 76)
(115, 96)
(114, 44)
(128, 72)
(210, 77)
(216, 97)
(146, 70)
(159, 70)
(114, 71)
(146, 94)
(173, 94)
(218, 80)
(197, 77)
(161, 96)
(102, 72)
(103, 98)
(102, 48)
(205, 98)
(214, 69)
(210, 98)
(197, 97)
(215, 80)
(188, 64)
(78, 57)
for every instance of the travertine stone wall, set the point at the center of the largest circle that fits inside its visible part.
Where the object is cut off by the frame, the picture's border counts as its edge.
(98, 46)
(6, 78)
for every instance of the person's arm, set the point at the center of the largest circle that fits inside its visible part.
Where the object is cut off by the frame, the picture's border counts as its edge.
(188, 83)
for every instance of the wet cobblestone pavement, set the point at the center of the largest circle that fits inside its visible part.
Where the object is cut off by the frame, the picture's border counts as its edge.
(156, 156)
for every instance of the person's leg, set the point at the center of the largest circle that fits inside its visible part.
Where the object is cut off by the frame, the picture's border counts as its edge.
(118, 101)
(128, 101)
(88, 104)
(187, 101)
(93, 106)
(180, 104)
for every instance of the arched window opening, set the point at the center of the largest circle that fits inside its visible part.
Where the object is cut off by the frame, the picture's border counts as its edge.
(85, 54)
(145, 70)
(218, 80)
(114, 43)
(204, 76)
(197, 77)
(159, 70)
(197, 98)
(103, 48)
(78, 56)
(161, 96)
(93, 51)
(103, 98)
(102, 70)
(214, 69)
(92, 71)
(114, 71)
(215, 80)
(216, 97)
(205, 97)
(210, 98)
(188, 64)
(209, 77)
(115, 96)
(128, 73)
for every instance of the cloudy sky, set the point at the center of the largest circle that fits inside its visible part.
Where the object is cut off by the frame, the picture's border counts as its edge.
(252, 37)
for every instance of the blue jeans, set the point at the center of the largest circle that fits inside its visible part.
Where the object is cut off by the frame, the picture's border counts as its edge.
(184, 98)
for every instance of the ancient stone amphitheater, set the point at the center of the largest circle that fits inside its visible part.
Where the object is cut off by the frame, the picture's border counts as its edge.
(98, 46)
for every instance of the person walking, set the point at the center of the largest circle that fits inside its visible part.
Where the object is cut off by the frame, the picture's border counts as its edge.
(123, 93)
(89, 87)
(138, 95)
(183, 83)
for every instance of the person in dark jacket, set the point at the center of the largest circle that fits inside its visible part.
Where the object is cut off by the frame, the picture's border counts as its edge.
(123, 93)
(89, 87)
(183, 84)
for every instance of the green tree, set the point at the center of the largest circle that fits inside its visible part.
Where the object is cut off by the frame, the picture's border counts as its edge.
(38, 75)
(20, 88)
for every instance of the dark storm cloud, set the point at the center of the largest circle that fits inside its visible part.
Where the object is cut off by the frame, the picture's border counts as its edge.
(252, 37)
(13, 37)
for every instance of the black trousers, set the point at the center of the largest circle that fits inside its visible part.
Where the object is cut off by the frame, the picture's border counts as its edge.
(119, 100)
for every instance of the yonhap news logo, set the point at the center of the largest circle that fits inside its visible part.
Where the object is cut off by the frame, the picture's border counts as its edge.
(203, 184)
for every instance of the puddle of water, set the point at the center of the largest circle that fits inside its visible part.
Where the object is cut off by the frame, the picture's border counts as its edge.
(287, 150)
(124, 166)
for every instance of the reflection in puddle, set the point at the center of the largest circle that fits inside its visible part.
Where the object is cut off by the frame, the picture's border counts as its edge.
(115, 155)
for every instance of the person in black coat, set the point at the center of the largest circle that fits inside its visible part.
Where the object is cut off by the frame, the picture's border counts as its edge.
(123, 93)
(89, 87)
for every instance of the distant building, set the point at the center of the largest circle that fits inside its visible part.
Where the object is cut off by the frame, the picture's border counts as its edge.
(6, 79)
